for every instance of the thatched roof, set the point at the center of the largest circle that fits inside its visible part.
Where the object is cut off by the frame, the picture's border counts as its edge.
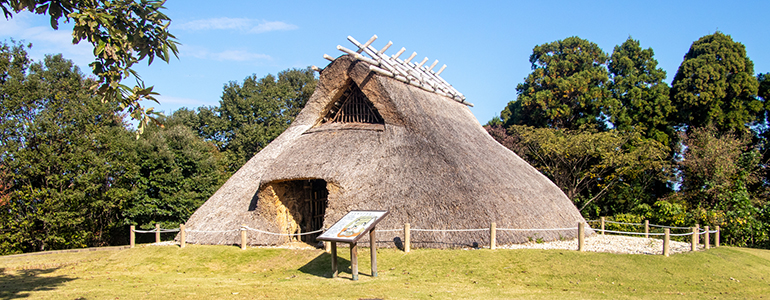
(430, 164)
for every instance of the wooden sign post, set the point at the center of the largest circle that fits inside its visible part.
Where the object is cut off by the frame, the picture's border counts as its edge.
(352, 227)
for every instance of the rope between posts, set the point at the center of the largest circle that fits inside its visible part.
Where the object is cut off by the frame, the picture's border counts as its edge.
(213, 231)
(669, 227)
(613, 222)
(283, 234)
(632, 233)
(532, 229)
(681, 234)
(449, 230)
(153, 231)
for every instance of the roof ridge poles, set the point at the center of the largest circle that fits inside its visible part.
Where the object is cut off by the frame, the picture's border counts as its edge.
(413, 73)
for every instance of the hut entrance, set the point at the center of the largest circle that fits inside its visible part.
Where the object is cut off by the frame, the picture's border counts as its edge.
(318, 201)
(300, 206)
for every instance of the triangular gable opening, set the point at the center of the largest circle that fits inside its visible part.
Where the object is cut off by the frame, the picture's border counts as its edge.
(353, 107)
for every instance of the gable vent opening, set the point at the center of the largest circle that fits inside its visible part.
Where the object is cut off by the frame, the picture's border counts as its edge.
(353, 107)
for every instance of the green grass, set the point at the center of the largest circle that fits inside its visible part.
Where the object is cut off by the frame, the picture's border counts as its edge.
(224, 272)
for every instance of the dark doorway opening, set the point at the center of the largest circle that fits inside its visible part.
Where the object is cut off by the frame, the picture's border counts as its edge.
(319, 195)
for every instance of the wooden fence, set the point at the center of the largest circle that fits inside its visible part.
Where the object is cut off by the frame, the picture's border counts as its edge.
(694, 232)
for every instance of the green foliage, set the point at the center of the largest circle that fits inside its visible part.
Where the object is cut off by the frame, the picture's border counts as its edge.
(566, 89)
(586, 165)
(122, 32)
(253, 113)
(72, 175)
(715, 85)
(57, 141)
(176, 172)
(763, 91)
(713, 164)
(638, 84)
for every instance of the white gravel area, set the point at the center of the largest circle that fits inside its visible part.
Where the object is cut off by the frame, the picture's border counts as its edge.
(611, 244)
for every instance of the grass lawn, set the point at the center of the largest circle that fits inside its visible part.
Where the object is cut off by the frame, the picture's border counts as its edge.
(225, 272)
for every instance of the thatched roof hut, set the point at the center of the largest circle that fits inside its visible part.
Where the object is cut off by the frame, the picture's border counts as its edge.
(366, 141)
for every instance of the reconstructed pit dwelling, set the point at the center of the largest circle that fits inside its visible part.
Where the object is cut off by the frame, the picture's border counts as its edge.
(381, 133)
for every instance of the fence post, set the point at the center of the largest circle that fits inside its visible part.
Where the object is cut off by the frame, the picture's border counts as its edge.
(131, 237)
(707, 241)
(407, 241)
(182, 236)
(581, 236)
(243, 237)
(602, 225)
(697, 228)
(157, 232)
(716, 237)
(646, 229)
(666, 242)
(492, 236)
(694, 240)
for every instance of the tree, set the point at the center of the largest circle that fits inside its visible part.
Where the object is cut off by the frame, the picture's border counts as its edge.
(714, 164)
(638, 84)
(763, 90)
(176, 172)
(254, 113)
(586, 165)
(61, 149)
(715, 85)
(566, 89)
(122, 32)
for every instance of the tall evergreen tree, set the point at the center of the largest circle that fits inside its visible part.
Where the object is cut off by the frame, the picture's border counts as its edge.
(637, 83)
(715, 85)
(255, 112)
(62, 150)
(566, 89)
(176, 171)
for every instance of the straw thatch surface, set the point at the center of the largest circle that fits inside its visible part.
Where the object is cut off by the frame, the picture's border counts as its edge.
(432, 165)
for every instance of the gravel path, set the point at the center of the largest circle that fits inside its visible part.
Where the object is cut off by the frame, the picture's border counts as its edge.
(611, 244)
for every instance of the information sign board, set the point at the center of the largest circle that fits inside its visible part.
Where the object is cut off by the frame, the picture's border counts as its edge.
(353, 226)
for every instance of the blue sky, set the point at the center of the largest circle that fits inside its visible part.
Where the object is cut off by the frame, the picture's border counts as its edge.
(486, 45)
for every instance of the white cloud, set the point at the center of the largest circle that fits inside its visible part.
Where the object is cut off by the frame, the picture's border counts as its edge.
(272, 26)
(241, 24)
(46, 40)
(239, 55)
(227, 55)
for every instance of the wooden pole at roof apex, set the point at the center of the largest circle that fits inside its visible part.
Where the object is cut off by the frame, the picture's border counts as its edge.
(361, 48)
(433, 65)
(422, 63)
(399, 53)
(441, 70)
(390, 43)
(406, 62)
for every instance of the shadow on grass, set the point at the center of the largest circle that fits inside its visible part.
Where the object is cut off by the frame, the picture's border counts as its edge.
(321, 266)
(19, 284)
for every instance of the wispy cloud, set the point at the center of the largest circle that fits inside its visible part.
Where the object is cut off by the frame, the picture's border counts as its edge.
(45, 40)
(238, 55)
(240, 24)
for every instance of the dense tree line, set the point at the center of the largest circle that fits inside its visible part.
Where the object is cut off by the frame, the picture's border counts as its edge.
(622, 143)
(73, 172)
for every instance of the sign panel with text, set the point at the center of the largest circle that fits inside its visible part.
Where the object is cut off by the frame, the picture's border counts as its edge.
(353, 226)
